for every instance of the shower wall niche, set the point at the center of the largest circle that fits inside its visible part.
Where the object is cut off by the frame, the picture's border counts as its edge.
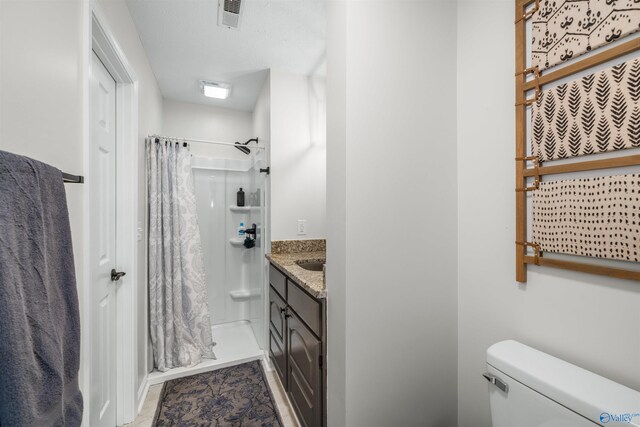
(234, 273)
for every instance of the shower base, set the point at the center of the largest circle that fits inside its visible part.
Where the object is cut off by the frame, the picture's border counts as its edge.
(235, 344)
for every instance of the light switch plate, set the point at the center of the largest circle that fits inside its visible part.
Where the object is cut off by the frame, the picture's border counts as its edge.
(302, 227)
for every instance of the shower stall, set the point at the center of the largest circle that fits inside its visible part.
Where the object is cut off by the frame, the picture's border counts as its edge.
(235, 273)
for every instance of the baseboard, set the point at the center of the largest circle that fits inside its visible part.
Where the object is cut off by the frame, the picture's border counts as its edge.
(267, 364)
(142, 393)
(284, 393)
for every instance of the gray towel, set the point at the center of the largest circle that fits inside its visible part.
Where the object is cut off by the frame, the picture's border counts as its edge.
(39, 317)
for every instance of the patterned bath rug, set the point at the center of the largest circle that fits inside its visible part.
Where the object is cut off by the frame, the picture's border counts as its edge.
(237, 396)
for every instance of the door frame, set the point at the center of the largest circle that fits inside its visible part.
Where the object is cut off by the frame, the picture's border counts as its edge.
(100, 39)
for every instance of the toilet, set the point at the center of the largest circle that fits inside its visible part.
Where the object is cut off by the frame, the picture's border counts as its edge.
(529, 388)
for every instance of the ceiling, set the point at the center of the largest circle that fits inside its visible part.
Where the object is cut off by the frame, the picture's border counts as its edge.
(185, 44)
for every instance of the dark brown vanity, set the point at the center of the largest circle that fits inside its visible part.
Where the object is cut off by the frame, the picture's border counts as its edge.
(297, 345)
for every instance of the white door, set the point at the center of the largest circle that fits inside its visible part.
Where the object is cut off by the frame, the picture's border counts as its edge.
(102, 220)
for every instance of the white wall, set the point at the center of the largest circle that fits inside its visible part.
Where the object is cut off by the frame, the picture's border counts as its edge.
(298, 156)
(42, 78)
(392, 109)
(185, 120)
(587, 320)
(41, 90)
(336, 272)
(261, 116)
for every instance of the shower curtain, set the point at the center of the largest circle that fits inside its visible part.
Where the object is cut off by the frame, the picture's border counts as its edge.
(179, 312)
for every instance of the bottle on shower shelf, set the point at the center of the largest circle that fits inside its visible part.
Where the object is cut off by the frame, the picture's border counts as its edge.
(240, 198)
(241, 232)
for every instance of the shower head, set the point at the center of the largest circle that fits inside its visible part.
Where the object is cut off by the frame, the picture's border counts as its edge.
(243, 147)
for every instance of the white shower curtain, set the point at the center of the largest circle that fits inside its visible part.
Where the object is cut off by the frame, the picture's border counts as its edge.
(179, 312)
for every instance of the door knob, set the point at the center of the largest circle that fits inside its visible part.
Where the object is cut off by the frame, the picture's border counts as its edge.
(116, 275)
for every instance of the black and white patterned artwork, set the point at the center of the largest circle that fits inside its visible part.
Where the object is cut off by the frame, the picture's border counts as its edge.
(595, 217)
(598, 113)
(563, 30)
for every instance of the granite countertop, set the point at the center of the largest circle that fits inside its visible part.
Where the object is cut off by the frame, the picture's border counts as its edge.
(311, 281)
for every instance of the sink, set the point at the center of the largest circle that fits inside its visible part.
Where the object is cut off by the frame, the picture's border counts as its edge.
(312, 266)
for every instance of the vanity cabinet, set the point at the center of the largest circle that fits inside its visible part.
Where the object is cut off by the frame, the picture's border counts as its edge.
(297, 343)
(277, 333)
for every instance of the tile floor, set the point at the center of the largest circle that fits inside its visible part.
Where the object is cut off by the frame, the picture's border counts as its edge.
(145, 418)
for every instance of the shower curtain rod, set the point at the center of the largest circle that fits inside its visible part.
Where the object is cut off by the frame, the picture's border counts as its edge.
(230, 144)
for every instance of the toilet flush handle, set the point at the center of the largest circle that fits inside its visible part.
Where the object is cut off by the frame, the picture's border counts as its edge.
(496, 381)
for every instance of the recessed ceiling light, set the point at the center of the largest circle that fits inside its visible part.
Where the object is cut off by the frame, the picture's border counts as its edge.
(215, 90)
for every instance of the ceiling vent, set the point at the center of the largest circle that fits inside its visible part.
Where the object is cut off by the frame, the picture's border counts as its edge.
(229, 13)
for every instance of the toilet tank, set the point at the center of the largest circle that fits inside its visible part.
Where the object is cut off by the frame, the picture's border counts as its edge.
(529, 388)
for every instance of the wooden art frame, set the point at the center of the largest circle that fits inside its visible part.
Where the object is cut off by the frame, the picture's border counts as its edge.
(527, 167)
